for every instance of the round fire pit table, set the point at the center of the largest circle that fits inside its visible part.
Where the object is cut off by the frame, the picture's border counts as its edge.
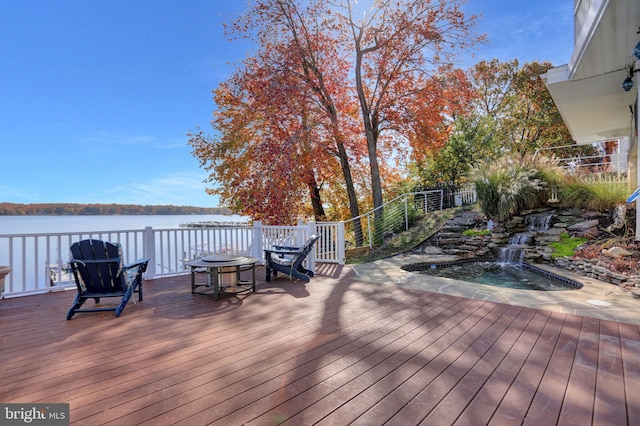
(223, 274)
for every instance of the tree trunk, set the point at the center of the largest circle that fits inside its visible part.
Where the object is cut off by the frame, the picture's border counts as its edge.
(351, 192)
(312, 72)
(371, 130)
(316, 200)
(327, 101)
(376, 184)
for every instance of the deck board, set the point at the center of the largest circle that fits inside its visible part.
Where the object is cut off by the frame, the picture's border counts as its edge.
(580, 393)
(368, 370)
(609, 404)
(354, 398)
(495, 377)
(478, 380)
(332, 352)
(526, 383)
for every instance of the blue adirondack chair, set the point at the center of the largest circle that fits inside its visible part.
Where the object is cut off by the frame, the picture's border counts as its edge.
(289, 260)
(99, 272)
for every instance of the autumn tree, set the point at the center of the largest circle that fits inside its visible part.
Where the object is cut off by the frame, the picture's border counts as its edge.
(511, 112)
(494, 83)
(299, 97)
(270, 151)
(300, 44)
(475, 134)
(518, 108)
(397, 45)
(468, 142)
(433, 111)
(439, 152)
(316, 48)
(534, 122)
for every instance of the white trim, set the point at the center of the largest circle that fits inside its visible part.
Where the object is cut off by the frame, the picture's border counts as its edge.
(583, 40)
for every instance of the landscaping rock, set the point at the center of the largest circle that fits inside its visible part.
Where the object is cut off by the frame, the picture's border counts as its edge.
(619, 216)
(449, 241)
(590, 214)
(458, 252)
(616, 252)
(544, 241)
(448, 234)
(589, 233)
(432, 250)
(552, 231)
(584, 226)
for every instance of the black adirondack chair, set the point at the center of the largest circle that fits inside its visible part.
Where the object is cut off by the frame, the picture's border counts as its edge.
(289, 260)
(99, 272)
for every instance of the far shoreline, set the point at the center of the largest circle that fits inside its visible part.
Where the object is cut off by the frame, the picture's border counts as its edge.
(74, 209)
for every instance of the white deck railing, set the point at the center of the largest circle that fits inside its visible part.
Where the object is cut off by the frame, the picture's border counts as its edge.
(39, 261)
(465, 196)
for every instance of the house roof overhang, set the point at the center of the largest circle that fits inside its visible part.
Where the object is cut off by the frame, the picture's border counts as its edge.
(588, 90)
(594, 108)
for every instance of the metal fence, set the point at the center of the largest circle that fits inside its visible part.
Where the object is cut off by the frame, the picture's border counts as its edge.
(395, 216)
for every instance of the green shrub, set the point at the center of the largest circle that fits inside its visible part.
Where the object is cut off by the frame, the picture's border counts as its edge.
(475, 232)
(511, 184)
(595, 192)
(567, 245)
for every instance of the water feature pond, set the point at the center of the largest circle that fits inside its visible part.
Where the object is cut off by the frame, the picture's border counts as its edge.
(510, 269)
(507, 275)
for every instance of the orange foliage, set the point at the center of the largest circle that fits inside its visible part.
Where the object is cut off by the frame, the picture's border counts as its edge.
(398, 45)
(283, 118)
(289, 121)
(445, 96)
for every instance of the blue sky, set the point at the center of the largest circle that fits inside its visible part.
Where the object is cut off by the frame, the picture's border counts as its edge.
(97, 96)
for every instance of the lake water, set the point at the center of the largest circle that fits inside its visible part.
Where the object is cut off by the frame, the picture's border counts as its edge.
(30, 253)
(55, 224)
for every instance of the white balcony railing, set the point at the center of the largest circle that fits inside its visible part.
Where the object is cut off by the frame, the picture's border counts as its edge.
(39, 261)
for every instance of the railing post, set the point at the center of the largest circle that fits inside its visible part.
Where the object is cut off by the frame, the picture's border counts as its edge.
(311, 258)
(256, 242)
(149, 250)
(406, 213)
(300, 237)
(342, 244)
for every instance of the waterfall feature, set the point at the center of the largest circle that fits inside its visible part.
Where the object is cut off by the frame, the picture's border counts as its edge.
(518, 243)
(514, 252)
(538, 222)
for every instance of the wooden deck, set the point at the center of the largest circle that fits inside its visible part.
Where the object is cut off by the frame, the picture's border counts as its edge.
(333, 352)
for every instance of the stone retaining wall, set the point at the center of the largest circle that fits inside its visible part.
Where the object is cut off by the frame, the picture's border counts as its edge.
(450, 240)
(595, 269)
